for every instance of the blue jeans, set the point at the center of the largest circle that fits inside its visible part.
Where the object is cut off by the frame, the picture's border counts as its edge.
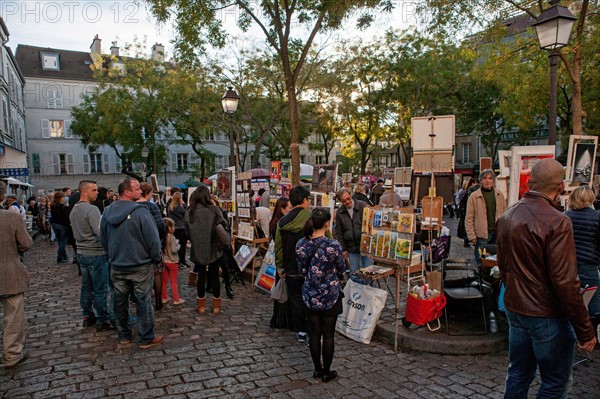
(547, 343)
(94, 286)
(61, 236)
(358, 261)
(482, 242)
(138, 281)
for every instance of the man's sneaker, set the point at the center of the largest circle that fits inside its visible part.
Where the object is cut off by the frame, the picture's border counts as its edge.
(301, 337)
(12, 363)
(104, 327)
(89, 321)
(156, 341)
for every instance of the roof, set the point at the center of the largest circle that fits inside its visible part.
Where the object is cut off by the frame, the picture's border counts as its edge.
(74, 65)
(3, 26)
(14, 61)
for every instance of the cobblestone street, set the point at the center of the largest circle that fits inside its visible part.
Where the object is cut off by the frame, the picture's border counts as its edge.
(233, 355)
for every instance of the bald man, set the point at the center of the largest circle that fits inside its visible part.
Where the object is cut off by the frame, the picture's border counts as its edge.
(545, 311)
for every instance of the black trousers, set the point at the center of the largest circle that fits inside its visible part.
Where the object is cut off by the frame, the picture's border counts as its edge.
(294, 286)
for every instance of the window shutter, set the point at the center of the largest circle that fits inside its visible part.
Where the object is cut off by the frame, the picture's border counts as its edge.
(70, 164)
(105, 163)
(67, 127)
(86, 164)
(45, 129)
(174, 162)
(56, 164)
(192, 161)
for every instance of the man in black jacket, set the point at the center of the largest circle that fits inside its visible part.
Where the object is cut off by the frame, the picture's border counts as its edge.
(348, 231)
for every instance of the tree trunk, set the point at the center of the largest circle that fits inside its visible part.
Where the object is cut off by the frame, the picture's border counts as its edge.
(577, 108)
(295, 136)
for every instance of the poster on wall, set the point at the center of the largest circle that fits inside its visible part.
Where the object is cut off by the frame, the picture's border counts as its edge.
(523, 158)
(286, 169)
(324, 178)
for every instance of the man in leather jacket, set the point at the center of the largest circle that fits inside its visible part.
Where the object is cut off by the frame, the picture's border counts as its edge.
(545, 311)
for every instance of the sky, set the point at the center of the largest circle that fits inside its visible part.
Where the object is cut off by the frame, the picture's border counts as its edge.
(72, 24)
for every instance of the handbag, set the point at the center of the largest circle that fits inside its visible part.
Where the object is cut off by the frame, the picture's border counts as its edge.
(279, 291)
(223, 237)
(424, 311)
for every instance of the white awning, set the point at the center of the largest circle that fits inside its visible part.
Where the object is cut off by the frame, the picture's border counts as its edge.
(14, 182)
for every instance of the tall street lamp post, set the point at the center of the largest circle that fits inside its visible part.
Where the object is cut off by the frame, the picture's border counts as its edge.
(145, 153)
(553, 28)
(230, 102)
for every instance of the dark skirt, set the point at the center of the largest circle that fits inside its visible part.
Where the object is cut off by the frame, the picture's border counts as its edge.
(588, 275)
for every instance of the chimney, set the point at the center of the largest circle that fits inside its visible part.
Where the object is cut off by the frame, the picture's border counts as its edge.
(96, 48)
(158, 52)
(114, 49)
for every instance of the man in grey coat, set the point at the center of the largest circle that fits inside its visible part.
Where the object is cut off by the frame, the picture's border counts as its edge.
(348, 231)
(14, 280)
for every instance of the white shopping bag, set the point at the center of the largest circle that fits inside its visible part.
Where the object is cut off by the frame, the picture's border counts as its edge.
(362, 306)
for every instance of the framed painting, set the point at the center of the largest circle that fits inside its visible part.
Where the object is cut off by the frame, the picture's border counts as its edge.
(581, 159)
(504, 162)
(523, 158)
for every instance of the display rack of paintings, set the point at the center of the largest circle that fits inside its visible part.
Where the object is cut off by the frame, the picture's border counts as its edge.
(324, 179)
(388, 235)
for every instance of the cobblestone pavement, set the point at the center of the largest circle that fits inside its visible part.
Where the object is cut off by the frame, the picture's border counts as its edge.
(234, 355)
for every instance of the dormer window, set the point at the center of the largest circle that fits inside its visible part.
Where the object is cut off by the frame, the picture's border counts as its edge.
(50, 62)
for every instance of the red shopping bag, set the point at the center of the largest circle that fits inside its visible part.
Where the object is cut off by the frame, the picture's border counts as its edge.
(423, 311)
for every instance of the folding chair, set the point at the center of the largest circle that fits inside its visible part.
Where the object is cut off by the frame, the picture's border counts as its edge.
(588, 293)
(466, 292)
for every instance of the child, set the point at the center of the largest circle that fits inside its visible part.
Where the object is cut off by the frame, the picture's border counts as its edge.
(171, 259)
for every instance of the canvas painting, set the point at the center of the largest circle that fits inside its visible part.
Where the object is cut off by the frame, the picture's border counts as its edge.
(365, 220)
(244, 256)
(324, 178)
(521, 161)
(224, 184)
(403, 248)
(527, 162)
(386, 244)
(275, 170)
(266, 277)
(393, 242)
(371, 221)
(406, 223)
(377, 218)
(379, 245)
(583, 163)
(365, 244)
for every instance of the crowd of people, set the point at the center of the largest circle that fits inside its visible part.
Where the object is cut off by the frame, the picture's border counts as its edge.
(130, 247)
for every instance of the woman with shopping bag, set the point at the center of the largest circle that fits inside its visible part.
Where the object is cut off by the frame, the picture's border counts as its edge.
(321, 263)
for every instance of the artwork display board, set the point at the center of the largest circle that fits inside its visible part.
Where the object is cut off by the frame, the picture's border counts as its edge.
(433, 211)
(286, 169)
(443, 162)
(245, 225)
(502, 185)
(485, 163)
(324, 178)
(388, 176)
(443, 127)
(523, 158)
(504, 162)
(581, 159)
(267, 275)
(403, 176)
(388, 233)
(444, 187)
(275, 170)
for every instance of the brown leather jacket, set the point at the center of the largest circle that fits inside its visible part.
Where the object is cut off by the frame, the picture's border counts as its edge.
(536, 257)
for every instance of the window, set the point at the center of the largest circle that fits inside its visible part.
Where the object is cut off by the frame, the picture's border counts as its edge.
(35, 163)
(63, 164)
(56, 128)
(467, 153)
(182, 162)
(221, 161)
(320, 159)
(54, 98)
(95, 163)
(50, 62)
(5, 123)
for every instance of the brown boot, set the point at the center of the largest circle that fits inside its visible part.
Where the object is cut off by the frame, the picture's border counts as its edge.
(201, 305)
(193, 279)
(216, 306)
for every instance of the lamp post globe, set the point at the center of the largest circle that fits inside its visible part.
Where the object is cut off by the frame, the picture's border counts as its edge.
(553, 29)
(230, 102)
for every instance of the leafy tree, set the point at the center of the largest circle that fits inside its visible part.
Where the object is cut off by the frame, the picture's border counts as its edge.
(198, 24)
(454, 15)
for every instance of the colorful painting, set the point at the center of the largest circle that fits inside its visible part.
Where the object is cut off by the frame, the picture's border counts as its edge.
(324, 178)
(377, 218)
(393, 242)
(379, 245)
(244, 256)
(265, 280)
(365, 220)
(527, 162)
(406, 223)
(365, 244)
(386, 245)
(403, 248)
(224, 184)
(275, 170)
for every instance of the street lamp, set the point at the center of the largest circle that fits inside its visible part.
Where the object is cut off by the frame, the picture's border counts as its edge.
(553, 28)
(230, 102)
(165, 164)
(145, 153)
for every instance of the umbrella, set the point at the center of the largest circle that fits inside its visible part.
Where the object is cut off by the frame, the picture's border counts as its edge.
(194, 184)
(213, 177)
(181, 186)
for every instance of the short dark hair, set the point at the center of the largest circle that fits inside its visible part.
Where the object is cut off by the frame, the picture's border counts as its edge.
(380, 181)
(298, 194)
(125, 185)
(84, 183)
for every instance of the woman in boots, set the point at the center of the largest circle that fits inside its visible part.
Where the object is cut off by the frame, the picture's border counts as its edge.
(201, 220)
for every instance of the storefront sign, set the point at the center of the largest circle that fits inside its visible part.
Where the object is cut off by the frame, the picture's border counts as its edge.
(14, 172)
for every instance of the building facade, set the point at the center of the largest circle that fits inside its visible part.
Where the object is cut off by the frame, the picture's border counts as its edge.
(13, 143)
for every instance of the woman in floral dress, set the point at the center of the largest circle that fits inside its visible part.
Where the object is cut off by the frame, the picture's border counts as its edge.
(321, 263)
